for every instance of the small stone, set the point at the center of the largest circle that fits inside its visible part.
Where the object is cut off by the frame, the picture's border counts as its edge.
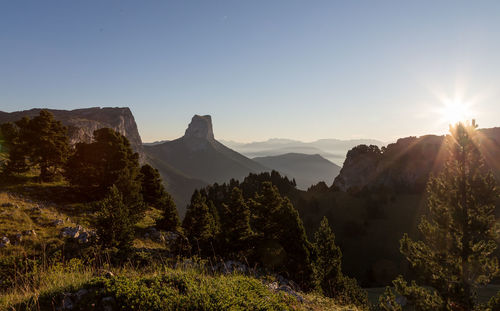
(29, 232)
(80, 293)
(67, 303)
(401, 300)
(4, 241)
(108, 303)
(83, 237)
(57, 222)
(18, 237)
(107, 274)
(273, 286)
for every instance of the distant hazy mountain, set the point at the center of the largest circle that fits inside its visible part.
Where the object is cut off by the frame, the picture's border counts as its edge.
(306, 169)
(334, 150)
(199, 156)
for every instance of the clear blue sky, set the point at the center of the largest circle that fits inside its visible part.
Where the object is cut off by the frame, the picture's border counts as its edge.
(262, 69)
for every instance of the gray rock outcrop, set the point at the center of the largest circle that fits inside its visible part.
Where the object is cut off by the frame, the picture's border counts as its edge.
(82, 123)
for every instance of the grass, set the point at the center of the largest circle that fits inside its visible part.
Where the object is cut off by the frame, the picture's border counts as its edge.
(155, 288)
(21, 214)
(484, 293)
(43, 283)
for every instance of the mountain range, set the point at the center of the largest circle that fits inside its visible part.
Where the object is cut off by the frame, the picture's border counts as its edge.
(192, 161)
(306, 169)
(334, 150)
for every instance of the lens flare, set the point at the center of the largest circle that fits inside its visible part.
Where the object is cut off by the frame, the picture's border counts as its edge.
(455, 111)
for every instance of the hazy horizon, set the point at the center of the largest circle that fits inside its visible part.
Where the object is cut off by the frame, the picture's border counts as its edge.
(286, 69)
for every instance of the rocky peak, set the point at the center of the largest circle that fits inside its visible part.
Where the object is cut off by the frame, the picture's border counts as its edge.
(200, 127)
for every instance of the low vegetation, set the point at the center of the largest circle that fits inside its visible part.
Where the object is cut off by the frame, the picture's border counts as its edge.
(157, 287)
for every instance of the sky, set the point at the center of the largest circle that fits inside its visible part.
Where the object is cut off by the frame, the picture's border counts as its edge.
(303, 70)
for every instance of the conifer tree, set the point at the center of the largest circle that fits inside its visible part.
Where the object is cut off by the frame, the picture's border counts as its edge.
(108, 160)
(456, 253)
(199, 224)
(327, 265)
(152, 189)
(17, 157)
(281, 232)
(41, 141)
(237, 228)
(328, 257)
(48, 143)
(115, 227)
(170, 217)
(154, 194)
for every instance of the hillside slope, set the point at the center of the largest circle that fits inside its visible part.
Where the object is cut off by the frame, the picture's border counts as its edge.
(34, 227)
(306, 169)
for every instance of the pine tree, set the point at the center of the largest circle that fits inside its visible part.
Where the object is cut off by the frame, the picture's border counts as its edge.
(283, 242)
(327, 265)
(328, 257)
(41, 141)
(199, 224)
(108, 160)
(17, 154)
(152, 188)
(170, 217)
(455, 255)
(115, 228)
(49, 144)
(154, 194)
(237, 228)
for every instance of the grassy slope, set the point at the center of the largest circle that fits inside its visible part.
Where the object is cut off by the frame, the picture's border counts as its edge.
(143, 289)
(158, 289)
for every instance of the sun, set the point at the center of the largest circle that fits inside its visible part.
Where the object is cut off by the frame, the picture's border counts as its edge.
(454, 111)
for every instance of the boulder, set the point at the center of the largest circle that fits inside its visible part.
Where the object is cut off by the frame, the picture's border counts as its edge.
(4, 242)
(155, 235)
(289, 291)
(70, 232)
(67, 302)
(80, 294)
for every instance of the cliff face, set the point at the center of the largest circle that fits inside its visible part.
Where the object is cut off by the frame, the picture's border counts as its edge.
(408, 163)
(82, 123)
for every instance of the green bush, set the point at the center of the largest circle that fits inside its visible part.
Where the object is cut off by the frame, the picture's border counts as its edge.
(494, 303)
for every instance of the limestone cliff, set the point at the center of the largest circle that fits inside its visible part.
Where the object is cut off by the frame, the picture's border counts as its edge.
(82, 123)
(407, 164)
